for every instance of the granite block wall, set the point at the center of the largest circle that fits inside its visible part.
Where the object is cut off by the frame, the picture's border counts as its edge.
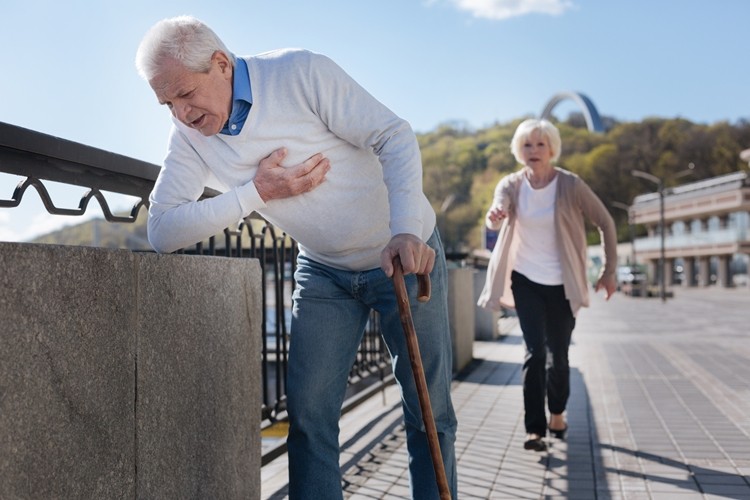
(128, 375)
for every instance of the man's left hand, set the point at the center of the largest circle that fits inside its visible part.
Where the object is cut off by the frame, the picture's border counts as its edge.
(416, 256)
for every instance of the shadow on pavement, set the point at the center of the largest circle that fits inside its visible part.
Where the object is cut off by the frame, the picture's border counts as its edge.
(701, 479)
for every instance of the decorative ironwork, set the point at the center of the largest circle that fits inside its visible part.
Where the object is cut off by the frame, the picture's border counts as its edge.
(37, 184)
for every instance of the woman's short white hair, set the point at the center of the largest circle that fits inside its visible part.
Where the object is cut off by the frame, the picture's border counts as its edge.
(184, 39)
(547, 130)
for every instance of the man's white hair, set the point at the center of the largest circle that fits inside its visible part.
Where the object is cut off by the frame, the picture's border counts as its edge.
(184, 39)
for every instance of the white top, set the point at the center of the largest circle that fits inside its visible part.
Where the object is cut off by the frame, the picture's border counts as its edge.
(537, 255)
(306, 103)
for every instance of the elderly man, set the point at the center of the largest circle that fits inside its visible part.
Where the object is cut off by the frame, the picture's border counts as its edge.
(290, 135)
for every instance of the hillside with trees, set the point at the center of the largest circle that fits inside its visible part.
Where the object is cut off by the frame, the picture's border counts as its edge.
(100, 233)
(462, 167)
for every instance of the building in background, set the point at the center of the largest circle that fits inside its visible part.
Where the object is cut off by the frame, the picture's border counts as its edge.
(707, 236)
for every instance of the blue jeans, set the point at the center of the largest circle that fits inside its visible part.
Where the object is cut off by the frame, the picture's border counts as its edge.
(547, 324)
(331, 308)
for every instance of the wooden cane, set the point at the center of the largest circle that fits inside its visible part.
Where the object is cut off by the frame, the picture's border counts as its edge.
(423, 295)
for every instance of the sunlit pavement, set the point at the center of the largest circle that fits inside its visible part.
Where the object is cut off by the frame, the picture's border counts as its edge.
(659, 408)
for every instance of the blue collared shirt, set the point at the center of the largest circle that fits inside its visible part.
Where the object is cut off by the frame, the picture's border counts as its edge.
(242, 99)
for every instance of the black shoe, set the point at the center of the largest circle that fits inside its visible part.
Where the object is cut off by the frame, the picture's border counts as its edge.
(559, 433)
(536, 444)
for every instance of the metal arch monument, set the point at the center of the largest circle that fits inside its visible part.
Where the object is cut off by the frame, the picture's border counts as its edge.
(593, 121)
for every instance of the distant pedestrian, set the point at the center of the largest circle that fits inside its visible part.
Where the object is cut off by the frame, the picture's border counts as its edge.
(538, 267)
(289, 135)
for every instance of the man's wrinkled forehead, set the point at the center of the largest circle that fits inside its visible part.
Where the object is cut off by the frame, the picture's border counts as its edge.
(171, 80)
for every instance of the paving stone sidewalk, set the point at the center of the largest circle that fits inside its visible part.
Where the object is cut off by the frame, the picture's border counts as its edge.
(659, 409)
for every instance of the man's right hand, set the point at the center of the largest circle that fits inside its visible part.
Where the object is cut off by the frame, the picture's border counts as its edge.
(274, 181)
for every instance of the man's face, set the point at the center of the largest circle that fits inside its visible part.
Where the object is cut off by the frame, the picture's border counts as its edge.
(201, 101)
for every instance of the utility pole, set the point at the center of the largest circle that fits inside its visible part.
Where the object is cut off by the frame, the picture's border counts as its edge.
(662, 227)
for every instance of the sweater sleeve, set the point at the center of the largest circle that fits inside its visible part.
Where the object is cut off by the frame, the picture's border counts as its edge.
(177, 218)
(357, 117)
(501, 199)
(597, 213)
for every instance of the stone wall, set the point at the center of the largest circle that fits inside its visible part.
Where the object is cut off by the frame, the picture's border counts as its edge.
(461, 306)
(486, 320)
(128, 375)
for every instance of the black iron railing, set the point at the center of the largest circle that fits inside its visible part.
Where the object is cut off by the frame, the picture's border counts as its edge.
(38, 158)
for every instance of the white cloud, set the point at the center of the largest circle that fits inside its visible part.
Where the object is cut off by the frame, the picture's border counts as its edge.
(6, 232)
(504, 9)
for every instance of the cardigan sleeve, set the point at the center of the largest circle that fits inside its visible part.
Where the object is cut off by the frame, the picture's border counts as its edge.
(597, 213)
(501, 199)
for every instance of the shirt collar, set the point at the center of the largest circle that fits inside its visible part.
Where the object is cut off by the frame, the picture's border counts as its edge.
(242, 98)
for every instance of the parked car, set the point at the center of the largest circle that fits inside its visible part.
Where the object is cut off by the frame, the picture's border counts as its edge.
(632, 280)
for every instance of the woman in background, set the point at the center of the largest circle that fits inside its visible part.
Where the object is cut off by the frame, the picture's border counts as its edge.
(538, 267)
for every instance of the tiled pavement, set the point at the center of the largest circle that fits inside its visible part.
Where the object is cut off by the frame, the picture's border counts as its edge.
(659, 409)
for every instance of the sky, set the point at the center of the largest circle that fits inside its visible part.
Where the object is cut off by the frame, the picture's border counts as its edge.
(68, 71)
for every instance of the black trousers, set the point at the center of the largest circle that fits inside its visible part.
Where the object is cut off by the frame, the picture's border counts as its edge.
(547, 324)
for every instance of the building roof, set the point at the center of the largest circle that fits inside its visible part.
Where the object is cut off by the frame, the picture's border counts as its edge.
(717, 184)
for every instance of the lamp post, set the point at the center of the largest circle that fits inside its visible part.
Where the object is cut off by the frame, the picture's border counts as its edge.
(660, 189)
(631, 234)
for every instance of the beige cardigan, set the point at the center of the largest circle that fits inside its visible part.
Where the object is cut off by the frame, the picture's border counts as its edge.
(574, 201)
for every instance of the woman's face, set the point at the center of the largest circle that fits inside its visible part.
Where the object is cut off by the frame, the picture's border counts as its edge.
(535, 151)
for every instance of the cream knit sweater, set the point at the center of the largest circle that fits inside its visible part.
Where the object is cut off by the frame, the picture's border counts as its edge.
(306, 103)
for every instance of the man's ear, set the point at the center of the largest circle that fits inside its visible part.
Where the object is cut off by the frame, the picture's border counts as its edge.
(225, 64)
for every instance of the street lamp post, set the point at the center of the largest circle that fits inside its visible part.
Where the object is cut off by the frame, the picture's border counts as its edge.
(660, 189)
(662, 251)
(631, 232)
